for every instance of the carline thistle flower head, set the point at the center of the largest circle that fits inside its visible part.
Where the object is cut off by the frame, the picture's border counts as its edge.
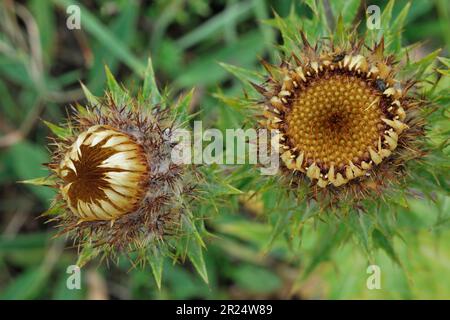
(103, 174)
(343, 119)
(117, 184)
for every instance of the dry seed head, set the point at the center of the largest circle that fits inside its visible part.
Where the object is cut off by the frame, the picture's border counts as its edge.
(102, 174)
(117, 183)
(341, 112)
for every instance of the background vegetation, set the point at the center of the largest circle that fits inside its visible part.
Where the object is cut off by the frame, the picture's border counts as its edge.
(41, 64)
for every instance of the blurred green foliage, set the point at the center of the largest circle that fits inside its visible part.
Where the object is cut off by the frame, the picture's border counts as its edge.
(41, 65)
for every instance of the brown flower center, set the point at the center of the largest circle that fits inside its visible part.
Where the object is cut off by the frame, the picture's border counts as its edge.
(102, 174)
(88, 179)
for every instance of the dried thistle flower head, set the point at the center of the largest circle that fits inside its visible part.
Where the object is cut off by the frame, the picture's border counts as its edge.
(103, 174)
(116, 178)
(119, 192)
(343, 117)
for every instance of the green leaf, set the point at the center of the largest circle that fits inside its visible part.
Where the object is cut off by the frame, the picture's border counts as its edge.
(23, 242)
(93, 101)
(101, 33)
(204, 70)
(182, 106)
(283, 221)
(445, 61)
(195, 254)
(232, 14)
(346, 8)
(150, 88)
(244, 75)
(246, 230)
(156, 260)
(386, 16)
(118, 93)
(27, 285)
(382, 242)
(328, 241)
(419, 67)
(45, 18)
(183, 284)
(289, 31)
(123, 26)
(191, 245)
(397, 28)
(60, 132)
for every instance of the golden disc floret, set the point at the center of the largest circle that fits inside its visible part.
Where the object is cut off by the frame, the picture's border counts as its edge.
(338, 114)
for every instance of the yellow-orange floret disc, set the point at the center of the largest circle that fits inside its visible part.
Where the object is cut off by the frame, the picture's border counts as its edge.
(337, 118)
(334, 121)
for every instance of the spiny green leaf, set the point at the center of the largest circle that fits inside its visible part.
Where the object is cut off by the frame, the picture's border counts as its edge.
(382, 242)
(282, 223)
(189, 227)
(182, 106)
(116, 90)
(340, 33)
(244, 75)
(89, 96)
(313, 6)
(60, 132)
(150, 88)
(156, 261)
(328, 241)
(445, 61)
(345, 8)
(386, 16)
(361, 226)
(289, 31)
(325, 22)
(420, 66)
(195, 254)
(397, 28)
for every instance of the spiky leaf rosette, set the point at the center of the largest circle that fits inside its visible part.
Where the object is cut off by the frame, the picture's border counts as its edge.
(356, 122)
(120, 192)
